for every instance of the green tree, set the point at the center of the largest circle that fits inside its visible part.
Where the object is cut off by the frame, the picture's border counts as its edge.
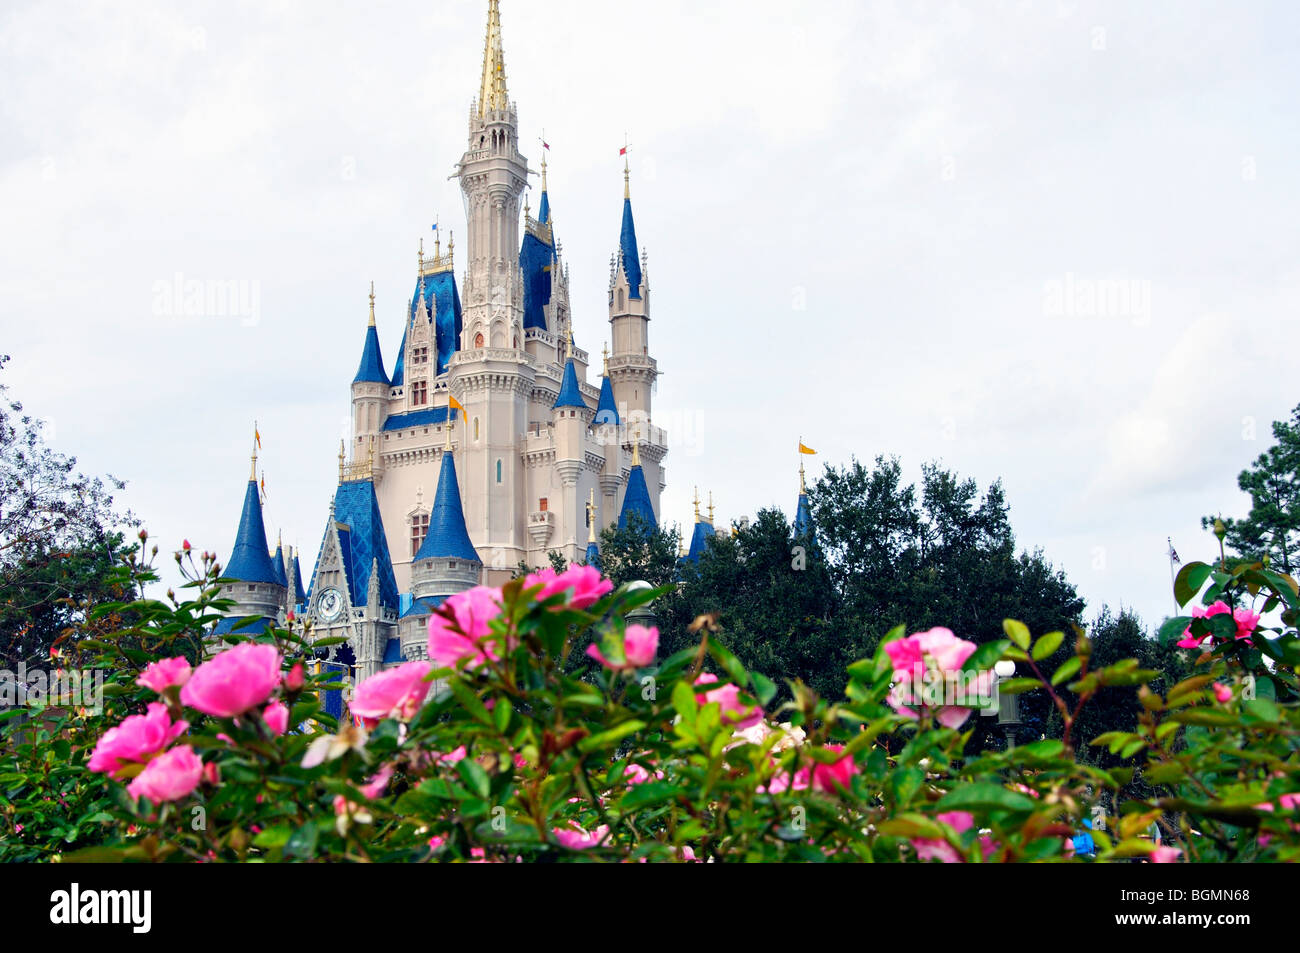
(1272, 527)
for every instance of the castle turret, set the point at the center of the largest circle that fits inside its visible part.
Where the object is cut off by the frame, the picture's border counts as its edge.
(803, 523)
(637, 508)
(701, 532)
(446, 562)
(593, 551)
(258, 589)
(491, 375)
(370, 386)
(607, 427)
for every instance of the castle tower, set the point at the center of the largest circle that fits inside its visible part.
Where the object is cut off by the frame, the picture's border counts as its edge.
(370, 387)
(446, 563)
(803, 523)
(491, 375)
(259, 590)
(606, 425)
(632, 370)
(637, 508)
(701, 532)
(570, 418)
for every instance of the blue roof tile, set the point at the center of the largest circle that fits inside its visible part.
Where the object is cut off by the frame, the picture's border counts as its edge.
(447, 537)
(419, 418)
(803, 524)
(277, 564)
(627, 251)
(424, 605)
(393, 651)
(372, 362)
(363, 541)
(441, 287)
(700, 537)
(570, 394)
(299, 596)
(606, 409)
(536, 259)
(249, 560)
(636, 500)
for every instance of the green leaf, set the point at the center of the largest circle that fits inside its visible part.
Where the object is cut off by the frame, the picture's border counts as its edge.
(984, 795)
(1046, 645)
(471, 702)
(475, 778)
(1173, 629)
(1189, 581)
(985, 656)
(1047, 748)
(684, 701)
(1068, 669)
(1264, 710)
(648, 793)
(1017, 632)
(1204, 716)
(276, 836)
(1017, 686)
(764, 689)
(611, 737)
(302, 843)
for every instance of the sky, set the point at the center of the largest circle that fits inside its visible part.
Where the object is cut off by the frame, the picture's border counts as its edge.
(1049, 242)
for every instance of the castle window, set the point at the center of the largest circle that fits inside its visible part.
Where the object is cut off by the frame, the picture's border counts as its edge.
(498, 471)
(419, 530)
(451, 564)
(419, 393)
(420, 355)
(542, 504)
(478, 339)
(620, 299)
(476, 430)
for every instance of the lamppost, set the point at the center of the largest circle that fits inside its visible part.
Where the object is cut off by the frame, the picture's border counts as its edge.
(1008, 704)
(642, 614)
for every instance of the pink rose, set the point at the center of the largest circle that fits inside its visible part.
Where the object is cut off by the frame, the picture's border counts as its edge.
(458, 625)
(926, 662)
(635, 774)
(451, 757)
(579, 839)
(168, 777)
(295, 678)
(238, 680)
(584, 583)
(1190, 641)
(640, 645)
(734, 712)
(378, 782)
(782, 782)
(1223, 693)
(831, 778)
(165, 673)
(276, 716)
(934, 848)
(1246, 622)
(396, 693)
(136, 740)
(1165, 855)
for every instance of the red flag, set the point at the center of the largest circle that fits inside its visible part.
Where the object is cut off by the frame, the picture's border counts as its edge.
(623, 151)
(545, 144)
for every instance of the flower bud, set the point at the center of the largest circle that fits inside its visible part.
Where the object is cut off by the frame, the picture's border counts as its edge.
(185, 545)
(1220, 530)
(295, 679)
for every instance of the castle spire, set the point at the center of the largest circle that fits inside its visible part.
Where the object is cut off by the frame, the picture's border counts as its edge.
(371, 369)
(627, 247)
(492, 89)
(636, 498)
(696, 501)
(372, 304)
(447, 537)
(250, 560)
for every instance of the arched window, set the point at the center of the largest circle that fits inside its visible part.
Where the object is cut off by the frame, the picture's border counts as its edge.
(478, 339)
(498, 471)
(476, 430)
(620, 299)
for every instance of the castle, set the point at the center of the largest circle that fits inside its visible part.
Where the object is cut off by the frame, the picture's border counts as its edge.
(487, 447)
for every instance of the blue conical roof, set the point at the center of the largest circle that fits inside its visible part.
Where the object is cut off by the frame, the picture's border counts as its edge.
(700, 537)
(299, 597)
(570, 394)
(627, 249)
(606, 409)
(544, 212)
(249, 559)
(803, 524)
(372, 362)
(363, 544)
(447, 537)
(277, 564)
(636, 499)
(593, 555)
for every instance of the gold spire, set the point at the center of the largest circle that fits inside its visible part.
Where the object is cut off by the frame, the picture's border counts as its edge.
(604, 350)
(627, 179)
(492, 91)
(696, 501)
(342, 457)
(710, 507)
(372, 304)
(543, 169)
(802, 488)
(437, 240)
(636, 447)
(568, 347)
(421, 256)
(591, 516)
(446, 444)
(252, 474)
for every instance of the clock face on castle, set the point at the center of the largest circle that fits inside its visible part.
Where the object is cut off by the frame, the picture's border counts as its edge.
(330, 605)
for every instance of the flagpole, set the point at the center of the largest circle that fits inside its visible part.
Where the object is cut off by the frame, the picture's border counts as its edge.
(1173, 575)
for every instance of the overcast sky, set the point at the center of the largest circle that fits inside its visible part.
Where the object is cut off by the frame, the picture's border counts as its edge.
(878, 226)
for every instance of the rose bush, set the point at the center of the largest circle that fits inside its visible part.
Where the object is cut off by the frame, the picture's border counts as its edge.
(544, 726)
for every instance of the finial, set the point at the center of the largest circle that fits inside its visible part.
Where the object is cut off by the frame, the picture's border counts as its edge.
(591, 516)
(370, 457)
(451, 245)
(525, 208)
(437, 239)
(543, 170)
(802, 488)
(372, 304)
(627, 185)
(342, 457)
(696, 501)
(636, 447)
(421, 258)
(710, 507)
(568, 348)
(604, 350)
(446, 443)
